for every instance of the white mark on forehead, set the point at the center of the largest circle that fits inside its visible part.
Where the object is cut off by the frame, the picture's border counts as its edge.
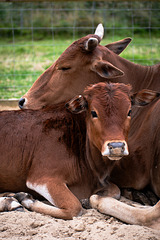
(42, 190)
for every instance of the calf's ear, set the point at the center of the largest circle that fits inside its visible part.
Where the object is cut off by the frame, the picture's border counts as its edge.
(119, 46)
(144, 97)
(77, 104)
(106, 69)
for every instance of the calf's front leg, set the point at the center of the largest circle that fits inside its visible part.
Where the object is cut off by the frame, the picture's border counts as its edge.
(64, 204)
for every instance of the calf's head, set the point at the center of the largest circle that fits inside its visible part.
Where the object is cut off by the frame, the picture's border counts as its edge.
(108, 114)
(84, 62)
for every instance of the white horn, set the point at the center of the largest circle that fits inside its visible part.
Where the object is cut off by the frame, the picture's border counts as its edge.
(99, 30)
(91, 44)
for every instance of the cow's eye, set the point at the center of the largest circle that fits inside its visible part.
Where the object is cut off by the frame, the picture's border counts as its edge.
(94, 114)
(129, 113)
(64, 68)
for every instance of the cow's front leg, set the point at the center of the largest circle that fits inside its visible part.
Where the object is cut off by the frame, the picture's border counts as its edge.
(143, 215)
(64, 204)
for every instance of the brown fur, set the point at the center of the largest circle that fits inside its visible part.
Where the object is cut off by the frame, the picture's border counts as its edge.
(73, 131)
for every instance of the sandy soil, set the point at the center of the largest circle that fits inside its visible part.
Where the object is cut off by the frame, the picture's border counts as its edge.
(91, 225)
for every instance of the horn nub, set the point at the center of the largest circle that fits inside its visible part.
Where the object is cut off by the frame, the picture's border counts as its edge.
(99, 30)
(91, 44)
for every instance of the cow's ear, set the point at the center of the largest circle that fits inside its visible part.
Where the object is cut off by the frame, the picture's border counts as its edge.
(119, 46)
(106, 69)
(77, 105)
(144, 97)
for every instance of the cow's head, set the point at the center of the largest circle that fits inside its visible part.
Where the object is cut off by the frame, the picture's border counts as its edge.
(108, 114)
(82, 63)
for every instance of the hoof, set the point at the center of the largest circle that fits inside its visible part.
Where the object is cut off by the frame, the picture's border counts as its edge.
(85, 203)
(25, 199)
(9, 204)
(21, 196)
(94, 200)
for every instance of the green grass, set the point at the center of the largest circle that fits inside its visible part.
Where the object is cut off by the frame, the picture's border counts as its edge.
(22, 62)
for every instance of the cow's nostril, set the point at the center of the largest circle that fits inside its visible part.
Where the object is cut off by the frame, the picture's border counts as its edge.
(21, 102)
(109, 146)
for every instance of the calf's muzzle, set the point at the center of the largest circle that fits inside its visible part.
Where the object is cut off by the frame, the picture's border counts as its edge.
(115, 150)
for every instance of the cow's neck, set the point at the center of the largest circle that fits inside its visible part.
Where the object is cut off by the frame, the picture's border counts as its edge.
(139, 76)
(101, 168)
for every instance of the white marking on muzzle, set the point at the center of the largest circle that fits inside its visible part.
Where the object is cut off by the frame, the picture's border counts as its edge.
(25, 103)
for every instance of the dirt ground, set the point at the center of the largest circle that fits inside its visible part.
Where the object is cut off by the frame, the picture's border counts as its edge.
(90, 226)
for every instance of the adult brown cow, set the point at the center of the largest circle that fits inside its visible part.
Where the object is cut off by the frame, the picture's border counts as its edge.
(85, 62)
(65, 157)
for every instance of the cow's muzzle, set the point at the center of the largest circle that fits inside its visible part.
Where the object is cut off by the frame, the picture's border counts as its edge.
(22, 103)
(115, 150)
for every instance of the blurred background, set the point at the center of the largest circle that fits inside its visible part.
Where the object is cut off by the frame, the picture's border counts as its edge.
(34, 34)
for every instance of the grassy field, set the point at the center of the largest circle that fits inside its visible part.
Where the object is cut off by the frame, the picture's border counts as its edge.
(22, 62)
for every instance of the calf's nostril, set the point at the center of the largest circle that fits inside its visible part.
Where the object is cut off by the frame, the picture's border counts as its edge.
(109, 146)
(21, 102)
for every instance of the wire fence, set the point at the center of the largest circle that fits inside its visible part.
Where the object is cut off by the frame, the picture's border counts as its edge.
(33, 35)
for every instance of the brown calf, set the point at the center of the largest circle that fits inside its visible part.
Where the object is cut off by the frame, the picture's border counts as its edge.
(64, 156)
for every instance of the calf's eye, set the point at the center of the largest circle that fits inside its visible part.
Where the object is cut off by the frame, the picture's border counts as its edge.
(94, 114)
(129, 113)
